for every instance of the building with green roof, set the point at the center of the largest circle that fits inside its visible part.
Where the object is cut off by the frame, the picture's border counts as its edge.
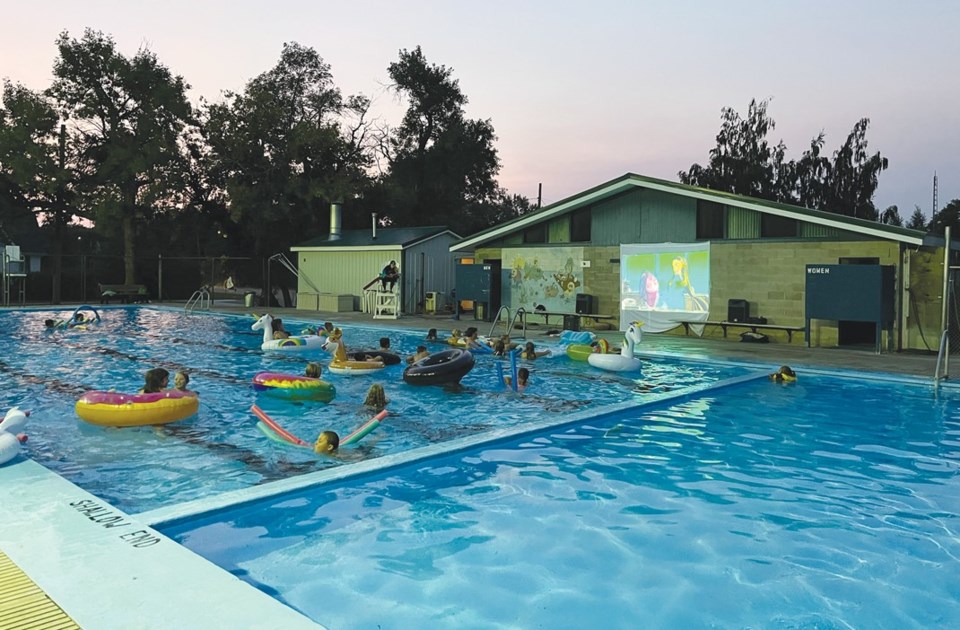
(758, 253)
(337, 270)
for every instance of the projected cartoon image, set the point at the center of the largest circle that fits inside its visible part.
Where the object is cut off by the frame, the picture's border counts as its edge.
(664, 284)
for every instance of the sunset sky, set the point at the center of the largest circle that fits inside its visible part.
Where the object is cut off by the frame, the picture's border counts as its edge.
(582, 92)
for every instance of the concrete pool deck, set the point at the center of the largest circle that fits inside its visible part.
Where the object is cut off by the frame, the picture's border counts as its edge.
(774, 354)
(107, 569)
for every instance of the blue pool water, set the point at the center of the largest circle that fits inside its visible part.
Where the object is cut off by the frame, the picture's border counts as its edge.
(829, 503)
(220, 449)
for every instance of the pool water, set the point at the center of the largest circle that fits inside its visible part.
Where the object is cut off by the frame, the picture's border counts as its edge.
(220, 449)
(828, 503)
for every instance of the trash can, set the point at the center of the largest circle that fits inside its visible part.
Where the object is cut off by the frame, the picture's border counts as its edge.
(248, 299)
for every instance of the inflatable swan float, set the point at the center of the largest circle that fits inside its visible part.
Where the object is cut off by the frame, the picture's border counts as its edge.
(10, 440)
(625, 361)
(265, 323)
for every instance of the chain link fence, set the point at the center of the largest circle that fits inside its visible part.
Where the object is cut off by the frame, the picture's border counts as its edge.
(167, 279)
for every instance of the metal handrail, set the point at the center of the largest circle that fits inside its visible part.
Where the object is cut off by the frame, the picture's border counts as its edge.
(941, 354)
(201, 298)
(497, 318)
(289, 266)
(522, 315)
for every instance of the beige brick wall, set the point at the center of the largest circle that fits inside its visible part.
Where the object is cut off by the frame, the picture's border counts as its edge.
(772, 277)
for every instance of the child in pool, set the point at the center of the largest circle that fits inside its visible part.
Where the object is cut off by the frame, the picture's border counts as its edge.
(180, 382)
(530, 353)
(421, 353)
(784, 375)
(523, 378)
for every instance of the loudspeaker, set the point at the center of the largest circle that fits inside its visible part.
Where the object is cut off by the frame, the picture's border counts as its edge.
(571, 322)
(738, 310)
(585, 304)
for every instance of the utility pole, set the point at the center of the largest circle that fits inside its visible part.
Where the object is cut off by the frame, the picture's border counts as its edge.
(539, 194)
(58, 218)
(935, 205)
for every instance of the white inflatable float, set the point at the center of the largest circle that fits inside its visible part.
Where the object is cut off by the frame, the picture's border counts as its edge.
(623, 362)
(290, 344)
(10, 440)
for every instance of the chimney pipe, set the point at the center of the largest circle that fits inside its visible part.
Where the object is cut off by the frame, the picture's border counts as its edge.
(334, 221)
(374, 226)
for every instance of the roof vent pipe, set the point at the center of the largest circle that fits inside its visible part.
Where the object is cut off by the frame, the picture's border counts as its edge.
(334, 221)
(374, 226)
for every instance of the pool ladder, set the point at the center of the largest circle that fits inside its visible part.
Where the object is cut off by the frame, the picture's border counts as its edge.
(521, 314)
(943, 356)
(200, 299)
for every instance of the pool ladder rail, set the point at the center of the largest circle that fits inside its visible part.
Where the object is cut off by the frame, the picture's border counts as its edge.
(943, 356)
(200, 299)
(521, 314)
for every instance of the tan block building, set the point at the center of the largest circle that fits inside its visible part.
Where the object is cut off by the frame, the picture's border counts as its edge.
(758, 252)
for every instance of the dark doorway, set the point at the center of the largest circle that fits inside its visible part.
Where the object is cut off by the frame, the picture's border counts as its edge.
(857, 333)
(495, 283)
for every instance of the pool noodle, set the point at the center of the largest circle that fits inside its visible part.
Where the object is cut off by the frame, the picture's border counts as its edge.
(276, 428)
(513, 369)
(86, 307)
(271, 434)
(364, 429)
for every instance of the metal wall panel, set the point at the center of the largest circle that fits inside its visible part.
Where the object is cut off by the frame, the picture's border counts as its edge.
(616, 220)
(558, 230)
(667, 218)
(428, 266)
(742, 223)
(814, 230)
(343, 273)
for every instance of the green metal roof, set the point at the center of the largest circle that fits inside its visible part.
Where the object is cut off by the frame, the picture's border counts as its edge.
(632, 180)
(386, 237)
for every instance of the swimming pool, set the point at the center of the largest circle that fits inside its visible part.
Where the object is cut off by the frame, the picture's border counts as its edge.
(829, 503)
(220, 449)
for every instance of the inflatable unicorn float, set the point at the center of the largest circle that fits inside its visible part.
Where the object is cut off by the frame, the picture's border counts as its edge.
(625, 361)
(10, 440)
(290, 344)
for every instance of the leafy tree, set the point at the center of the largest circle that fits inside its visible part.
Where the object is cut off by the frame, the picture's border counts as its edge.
(745, 163)
(442, 166)
(37, 180)
(948, 215)
(854, 176)
(917, 220)
(891, 216)
(128, 114)
(287, 147)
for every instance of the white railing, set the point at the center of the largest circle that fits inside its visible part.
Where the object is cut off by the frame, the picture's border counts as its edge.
(942, 356)
(200, 299)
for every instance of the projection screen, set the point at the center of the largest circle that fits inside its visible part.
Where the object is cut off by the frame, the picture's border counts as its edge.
(664, 284)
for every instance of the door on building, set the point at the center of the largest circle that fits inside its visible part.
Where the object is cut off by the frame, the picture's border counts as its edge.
(857, 333)
(495, 287)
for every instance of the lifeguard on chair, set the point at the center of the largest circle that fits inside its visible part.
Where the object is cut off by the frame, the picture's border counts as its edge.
(389, 276)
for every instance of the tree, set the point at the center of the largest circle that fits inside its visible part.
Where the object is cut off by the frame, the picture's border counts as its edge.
(917, 220)
(442, 166)
(36, 176)
(948, 215)
(854, 176)
(128, 114)
(287, 147)
(744, 162)
(891, 216)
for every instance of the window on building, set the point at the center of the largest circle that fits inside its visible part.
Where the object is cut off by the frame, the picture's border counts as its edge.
(580, 226)
(535, 234)
(773, 226)
(710, 220)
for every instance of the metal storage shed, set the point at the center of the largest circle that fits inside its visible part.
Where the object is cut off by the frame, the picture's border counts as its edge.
(344, 263)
